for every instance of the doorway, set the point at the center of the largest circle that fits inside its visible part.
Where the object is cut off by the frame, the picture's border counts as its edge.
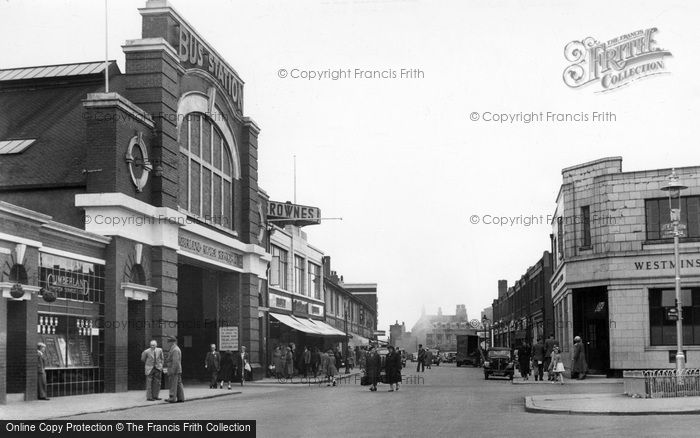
(137, 344)
(591, 322)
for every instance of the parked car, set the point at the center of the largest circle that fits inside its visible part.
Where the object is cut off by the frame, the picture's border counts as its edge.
(450, 356)
(414, 356)
(499, 362)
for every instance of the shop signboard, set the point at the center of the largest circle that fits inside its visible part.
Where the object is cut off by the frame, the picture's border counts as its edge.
(286, 213)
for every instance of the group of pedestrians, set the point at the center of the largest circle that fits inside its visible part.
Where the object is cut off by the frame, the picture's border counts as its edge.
(288, 362)
(391, 365)
(220, 367)
(156, 365)
(226, 366)
(547, 356)
(425, 359)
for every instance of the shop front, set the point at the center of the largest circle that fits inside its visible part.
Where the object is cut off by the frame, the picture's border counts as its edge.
(53, 292)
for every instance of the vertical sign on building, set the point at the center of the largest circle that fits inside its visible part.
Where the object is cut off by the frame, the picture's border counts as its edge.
(228, 338)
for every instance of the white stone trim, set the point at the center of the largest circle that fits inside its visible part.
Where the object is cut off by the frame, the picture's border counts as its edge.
(6, 286)
(15, 239)
(5, 251)
(67, 229)
(151, 45)
(108, 100)
(208, 261)
(72, 255)
(23, 212)
(137, 292)
(159, 225)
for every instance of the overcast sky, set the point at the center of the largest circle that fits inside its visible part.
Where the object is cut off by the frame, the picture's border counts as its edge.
(400, 160)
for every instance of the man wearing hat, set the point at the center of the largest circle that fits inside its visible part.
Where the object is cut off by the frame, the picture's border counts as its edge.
(174, 366)
(41, 371)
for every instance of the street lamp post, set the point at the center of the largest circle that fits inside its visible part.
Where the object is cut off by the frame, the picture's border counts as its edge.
(486, 323)
(347, 369)
(674, 188)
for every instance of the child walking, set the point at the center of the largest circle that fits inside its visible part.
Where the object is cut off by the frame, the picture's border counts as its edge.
(556, 367)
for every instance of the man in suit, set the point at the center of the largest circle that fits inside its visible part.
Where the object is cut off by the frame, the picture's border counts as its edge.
(174, 367)
(242, 361)
(421, 359)
(41, 370)
(153, 359)
(211, 363)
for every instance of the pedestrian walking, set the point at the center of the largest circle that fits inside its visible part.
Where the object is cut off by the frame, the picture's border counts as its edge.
(556, 366)
(538, 359)
(420, 367)
(242, 364)
(315, 361)
(524, 360)
(373, 368)
(579, 367)
(152, 358)
(278, 361)
(331, 369)
(41, 371)
(289, 362)
(226, 371)
(549, 345)
(392, 368)
(306, 361)
(212, 363)
(428, 358)
(174, 370)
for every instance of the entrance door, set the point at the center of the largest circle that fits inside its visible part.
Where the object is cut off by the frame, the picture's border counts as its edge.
(137, 343)
(591, 323)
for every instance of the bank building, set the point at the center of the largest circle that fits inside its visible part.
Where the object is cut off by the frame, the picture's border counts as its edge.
(613, 281)
(128, 215)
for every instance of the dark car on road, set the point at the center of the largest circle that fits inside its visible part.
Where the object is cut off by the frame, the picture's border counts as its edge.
(499, 362)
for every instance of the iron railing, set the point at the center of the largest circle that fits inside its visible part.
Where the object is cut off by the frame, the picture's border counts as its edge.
(663, 383)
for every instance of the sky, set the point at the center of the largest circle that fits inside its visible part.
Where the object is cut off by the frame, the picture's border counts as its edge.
(402, 160)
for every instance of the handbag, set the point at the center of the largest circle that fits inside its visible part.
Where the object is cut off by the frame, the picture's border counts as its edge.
(559, 368)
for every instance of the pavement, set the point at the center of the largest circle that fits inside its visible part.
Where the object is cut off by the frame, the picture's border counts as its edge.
(59, 407)
(610, 404)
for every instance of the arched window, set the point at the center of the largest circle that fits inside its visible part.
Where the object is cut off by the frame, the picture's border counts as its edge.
(206, 176)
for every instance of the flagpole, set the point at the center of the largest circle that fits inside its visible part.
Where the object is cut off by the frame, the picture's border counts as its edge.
(106, 51)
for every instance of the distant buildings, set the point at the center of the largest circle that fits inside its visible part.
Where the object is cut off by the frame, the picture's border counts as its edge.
(440, 331)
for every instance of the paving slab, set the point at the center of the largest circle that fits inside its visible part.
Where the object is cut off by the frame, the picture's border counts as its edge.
(610, 404)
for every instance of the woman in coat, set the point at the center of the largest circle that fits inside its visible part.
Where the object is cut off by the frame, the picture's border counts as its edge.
(289, 363)
(373, 367)
(392, 367)
(226, 368)
(278, 361)
(331, 370)
(579, 367)
(524, 360)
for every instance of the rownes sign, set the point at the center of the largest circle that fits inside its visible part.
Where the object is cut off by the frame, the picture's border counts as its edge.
(616, 62)
(286, 212)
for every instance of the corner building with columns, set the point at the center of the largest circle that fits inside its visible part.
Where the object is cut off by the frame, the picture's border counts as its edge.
(128, 215)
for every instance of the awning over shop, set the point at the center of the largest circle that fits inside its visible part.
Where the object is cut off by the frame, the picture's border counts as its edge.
(327, 329)
(306, 325)
(358, 340)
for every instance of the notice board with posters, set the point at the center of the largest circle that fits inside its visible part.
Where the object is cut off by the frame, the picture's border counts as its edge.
(54, 358)
(228, 338)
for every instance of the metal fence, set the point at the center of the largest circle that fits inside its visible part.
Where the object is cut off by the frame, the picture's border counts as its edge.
(662, 383)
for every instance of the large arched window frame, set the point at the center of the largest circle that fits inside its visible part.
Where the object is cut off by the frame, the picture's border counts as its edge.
(208, 161)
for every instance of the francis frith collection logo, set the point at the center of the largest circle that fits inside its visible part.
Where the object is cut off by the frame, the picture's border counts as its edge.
(614, 63)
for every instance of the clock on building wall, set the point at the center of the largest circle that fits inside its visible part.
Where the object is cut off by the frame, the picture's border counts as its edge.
(137, 161)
